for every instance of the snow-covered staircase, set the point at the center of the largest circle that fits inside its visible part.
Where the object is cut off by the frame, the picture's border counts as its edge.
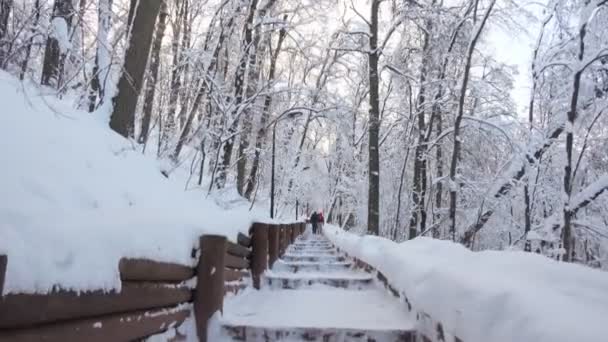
(314, 293)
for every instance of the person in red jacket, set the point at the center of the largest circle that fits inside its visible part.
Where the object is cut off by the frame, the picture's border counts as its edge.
(321, 221)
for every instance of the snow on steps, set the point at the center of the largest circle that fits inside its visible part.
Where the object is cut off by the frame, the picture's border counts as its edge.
(316, 303)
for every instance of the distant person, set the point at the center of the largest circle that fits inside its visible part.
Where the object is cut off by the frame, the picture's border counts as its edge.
(321, 220)
(314, 220)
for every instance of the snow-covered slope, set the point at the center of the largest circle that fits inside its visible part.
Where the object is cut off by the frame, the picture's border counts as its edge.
(490, 295)
(76, 197)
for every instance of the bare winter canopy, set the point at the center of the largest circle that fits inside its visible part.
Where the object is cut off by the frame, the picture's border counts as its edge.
(398, 118)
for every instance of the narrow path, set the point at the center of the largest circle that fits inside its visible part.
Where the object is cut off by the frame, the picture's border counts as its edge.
(313, 293)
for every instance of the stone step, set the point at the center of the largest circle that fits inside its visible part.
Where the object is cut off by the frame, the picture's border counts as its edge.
(270, 334)
(347, 280)
(312, 248)
(307, 266)
(313, 258)
(302, 246)
(317, 314)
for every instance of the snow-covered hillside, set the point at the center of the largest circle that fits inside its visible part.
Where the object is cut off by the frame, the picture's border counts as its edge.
(76, 197)
(499, 296)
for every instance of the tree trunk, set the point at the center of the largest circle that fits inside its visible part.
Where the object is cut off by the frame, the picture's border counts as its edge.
(457, 143)
(438, 114)
(28, 49)
(567, 238)
(261, 136)
(239, 82)
(255, 54)
(203, 89)
(176, 71)
(154, 66)
(373, 204)
(56, 44)
(5, 11)
(418, 218)
(129, 86)
(102, 55)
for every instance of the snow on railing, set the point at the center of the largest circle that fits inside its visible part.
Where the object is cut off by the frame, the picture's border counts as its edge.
(153, 297)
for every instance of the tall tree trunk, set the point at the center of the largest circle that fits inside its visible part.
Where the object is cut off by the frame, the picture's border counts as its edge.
(460, 114)
(567, 238)
(373, 204)
(176, 71)
(256, 52)
(185, 44)
(136, 57)
(204, 87)
(261, 135)
(56, 44)
(101, 70)
(239, 83)
(28, 49)
(438, 114)
(154, 66)
(5, 11)
(527, 199)
(418, 218)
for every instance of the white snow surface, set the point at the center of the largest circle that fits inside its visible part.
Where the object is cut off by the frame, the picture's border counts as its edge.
(318, 307)
(77, 197)
(60, 31)
(490, 295)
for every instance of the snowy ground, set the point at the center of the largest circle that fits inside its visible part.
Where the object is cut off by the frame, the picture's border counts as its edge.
(489, 296)
(320, 307)
(317, 306)
(76, 197)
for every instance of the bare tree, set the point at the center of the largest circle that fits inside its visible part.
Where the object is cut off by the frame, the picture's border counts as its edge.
(373, 206)
(129, 86)
(459, 116)
(57, 43)
(153, 74)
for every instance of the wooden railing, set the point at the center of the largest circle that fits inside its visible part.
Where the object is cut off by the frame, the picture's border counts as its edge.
(427, 328)
(154, 296)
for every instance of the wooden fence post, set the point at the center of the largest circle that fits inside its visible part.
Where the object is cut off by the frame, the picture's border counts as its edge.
(259, 256)
(209, 293)
(3, 263)
(292, 232)
(273, 244)
(283, 240)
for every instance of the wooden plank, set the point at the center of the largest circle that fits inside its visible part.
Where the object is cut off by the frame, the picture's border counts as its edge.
(243, 240)
(117, 327)
(148, 270)
(24, 310)
(3, 263)
(235, 262)
(238, 250)
(234, 275)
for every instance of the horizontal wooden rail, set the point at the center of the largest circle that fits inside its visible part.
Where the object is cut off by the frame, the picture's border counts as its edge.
(154, 271)
(236, 262)
(117, 327)
(243, 240)
(25, 310)
(238, 250)
(153, 296)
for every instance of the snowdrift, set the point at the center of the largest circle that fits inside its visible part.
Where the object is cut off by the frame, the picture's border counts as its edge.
(490, 295)
(76, 197)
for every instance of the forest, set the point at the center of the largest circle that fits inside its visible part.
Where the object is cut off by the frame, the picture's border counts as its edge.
(394, 117)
